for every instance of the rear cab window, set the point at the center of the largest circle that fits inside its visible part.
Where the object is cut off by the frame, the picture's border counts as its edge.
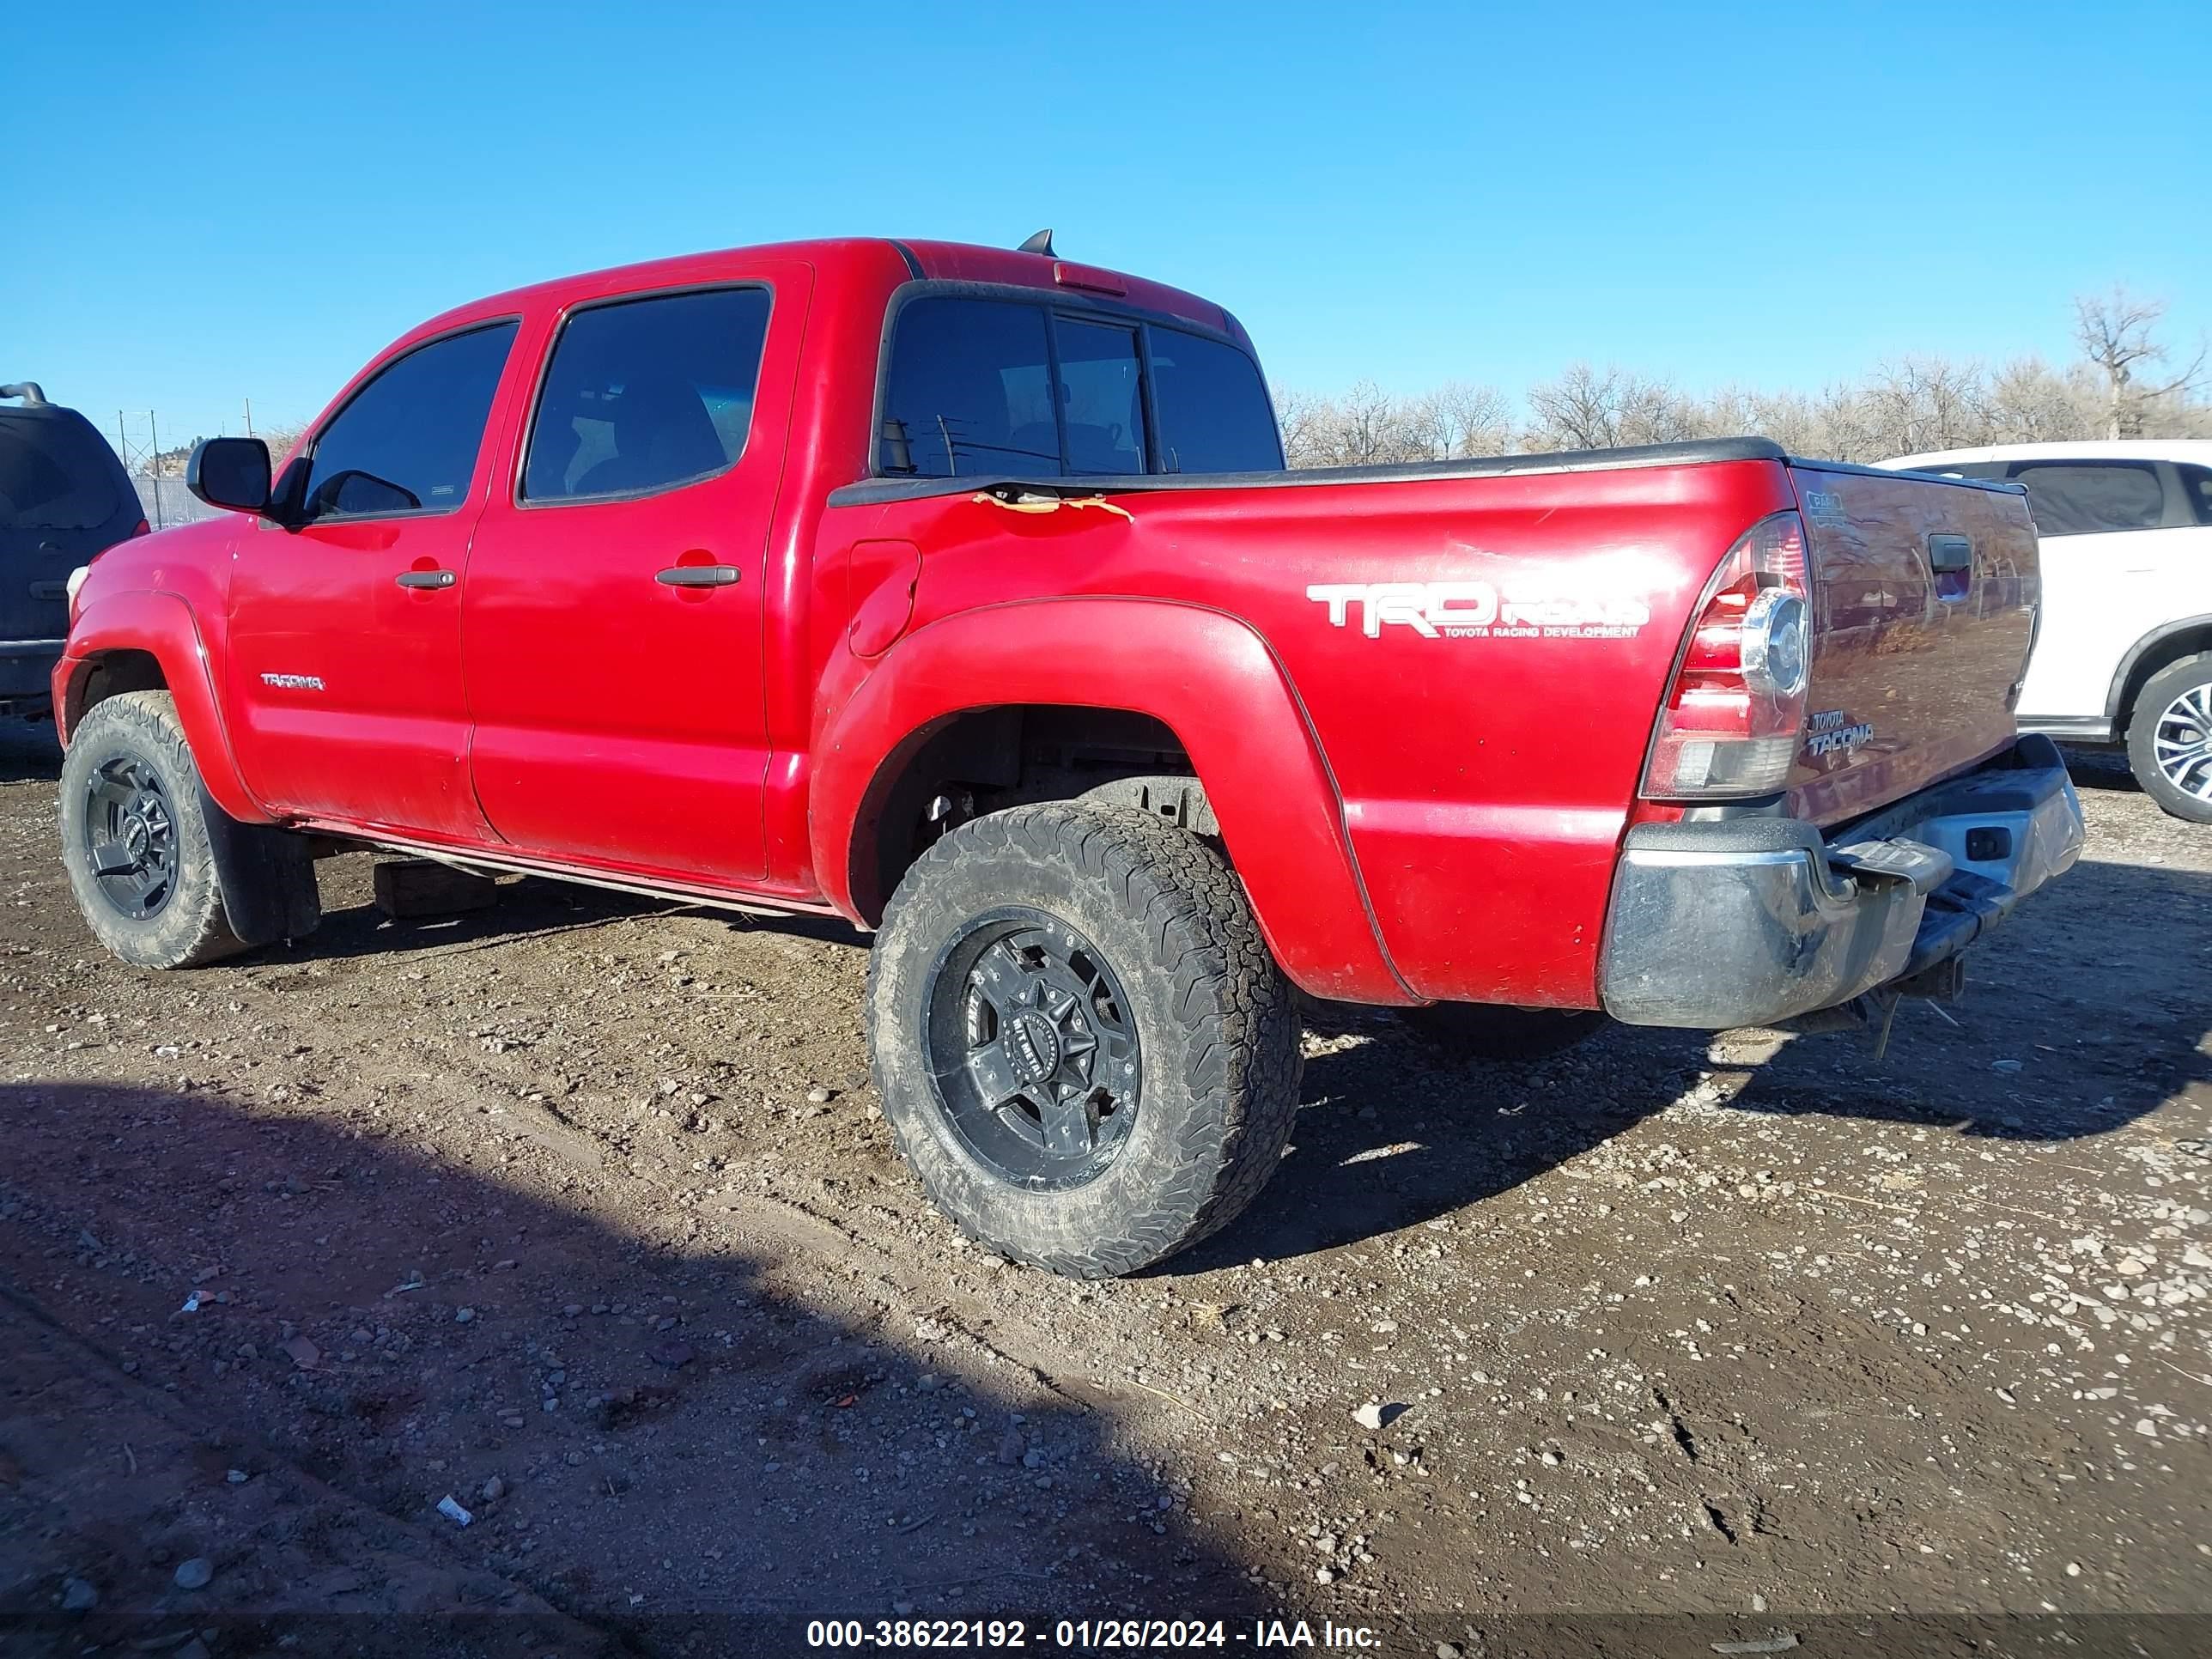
(1017, 386)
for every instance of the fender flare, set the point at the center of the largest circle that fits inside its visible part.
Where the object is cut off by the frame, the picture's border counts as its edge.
(2115, 699)
(162, 626)
(1208, 676)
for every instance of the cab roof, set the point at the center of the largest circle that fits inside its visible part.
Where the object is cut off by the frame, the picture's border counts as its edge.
(853, 256)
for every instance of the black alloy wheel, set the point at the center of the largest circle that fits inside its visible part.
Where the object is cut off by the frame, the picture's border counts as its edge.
(131, 836)
(1032, 1049)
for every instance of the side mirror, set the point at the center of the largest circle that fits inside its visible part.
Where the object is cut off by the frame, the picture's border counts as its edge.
(230, 472)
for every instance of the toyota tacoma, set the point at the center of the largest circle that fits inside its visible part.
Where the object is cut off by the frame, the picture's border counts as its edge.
(962, 593)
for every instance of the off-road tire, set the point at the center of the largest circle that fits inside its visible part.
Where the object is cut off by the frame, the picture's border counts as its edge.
(1216, 1025)
(1473, 1031)
(191, 928)
(2173, 680)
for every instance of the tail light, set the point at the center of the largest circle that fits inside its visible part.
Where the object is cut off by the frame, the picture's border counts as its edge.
(1733, 717)
(143, 529)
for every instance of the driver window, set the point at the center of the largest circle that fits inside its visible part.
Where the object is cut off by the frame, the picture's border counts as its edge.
(407, 442)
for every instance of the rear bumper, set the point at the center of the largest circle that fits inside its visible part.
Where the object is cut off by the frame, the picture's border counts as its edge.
(1749, 922)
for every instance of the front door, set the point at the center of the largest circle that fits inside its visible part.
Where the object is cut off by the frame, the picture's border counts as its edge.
(613, 615)
(345, 645)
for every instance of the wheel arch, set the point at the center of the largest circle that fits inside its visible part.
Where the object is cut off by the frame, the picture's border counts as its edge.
(2162, 645)
(149, 642)
(1206, 679)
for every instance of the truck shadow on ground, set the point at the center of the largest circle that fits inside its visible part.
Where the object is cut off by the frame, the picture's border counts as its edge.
(692, 1442)
(1390, 1135)
(2100, 769)
(527, 907)
(2085, 1013)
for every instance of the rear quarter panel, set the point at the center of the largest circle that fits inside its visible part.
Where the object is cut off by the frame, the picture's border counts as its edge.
(1485, 769)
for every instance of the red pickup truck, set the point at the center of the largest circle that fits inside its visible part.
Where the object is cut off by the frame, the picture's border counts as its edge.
(961, 593)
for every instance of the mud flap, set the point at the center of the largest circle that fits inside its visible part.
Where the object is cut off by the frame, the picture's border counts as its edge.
(266, 875)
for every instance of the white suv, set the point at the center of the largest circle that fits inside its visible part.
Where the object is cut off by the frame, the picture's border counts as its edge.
(2124, 651)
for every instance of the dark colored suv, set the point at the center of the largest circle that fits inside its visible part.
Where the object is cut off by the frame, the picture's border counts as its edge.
(63, 498)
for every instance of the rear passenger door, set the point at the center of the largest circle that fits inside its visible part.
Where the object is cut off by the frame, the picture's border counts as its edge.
(2102, 527)
(613, 623)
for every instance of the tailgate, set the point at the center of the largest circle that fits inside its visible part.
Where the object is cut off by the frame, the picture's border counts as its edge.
(1924, 593)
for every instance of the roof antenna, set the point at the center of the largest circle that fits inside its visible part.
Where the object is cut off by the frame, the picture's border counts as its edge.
(1040, 243)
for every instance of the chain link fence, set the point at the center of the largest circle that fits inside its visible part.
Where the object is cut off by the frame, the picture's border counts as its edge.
(165, 501)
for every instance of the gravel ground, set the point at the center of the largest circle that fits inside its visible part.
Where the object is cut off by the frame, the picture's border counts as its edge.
(581, 1212)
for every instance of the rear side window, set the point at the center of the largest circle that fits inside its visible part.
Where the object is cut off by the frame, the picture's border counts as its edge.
(646, 395)
(2197, 485)
(2078, 498)
(56, 473)
(407, 441)
(1213, 408)
(970, 392)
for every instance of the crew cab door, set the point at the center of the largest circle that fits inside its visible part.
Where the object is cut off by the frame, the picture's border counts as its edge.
(345, 630)
(613, 618)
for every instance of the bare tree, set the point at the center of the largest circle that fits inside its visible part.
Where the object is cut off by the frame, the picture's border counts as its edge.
(1457, 419)
(1305, 421)
(2114, 331)
(1909, 406)
(1923, 403)
(1581, 410)
(1585, 410)
(2030, 402)
(1373, 429)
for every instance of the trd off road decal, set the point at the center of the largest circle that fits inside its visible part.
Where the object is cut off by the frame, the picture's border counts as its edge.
(1482, 610)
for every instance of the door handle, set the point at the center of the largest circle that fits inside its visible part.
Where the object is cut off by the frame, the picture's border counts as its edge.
(426, 578)
(698, 575)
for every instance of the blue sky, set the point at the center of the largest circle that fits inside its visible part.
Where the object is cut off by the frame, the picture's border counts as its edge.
(207, 203)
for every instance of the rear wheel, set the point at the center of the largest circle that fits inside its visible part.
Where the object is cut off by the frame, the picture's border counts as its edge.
(135, 840)
(2170, 737)
(1083, 1046)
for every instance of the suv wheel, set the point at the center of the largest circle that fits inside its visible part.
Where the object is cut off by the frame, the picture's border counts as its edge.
(134, 840)
(2170, 737)
(1084, 1048)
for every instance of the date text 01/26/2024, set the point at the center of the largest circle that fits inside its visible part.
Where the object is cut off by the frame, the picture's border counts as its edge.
(1088, 1635)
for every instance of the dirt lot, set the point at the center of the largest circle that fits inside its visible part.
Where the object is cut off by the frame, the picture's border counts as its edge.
(581, 1212)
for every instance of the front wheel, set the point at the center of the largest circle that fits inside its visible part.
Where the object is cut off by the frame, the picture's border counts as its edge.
(1084, 1048)
(2170, 737)
(133, 838)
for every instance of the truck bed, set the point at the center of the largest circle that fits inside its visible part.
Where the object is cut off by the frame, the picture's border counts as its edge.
(1488, 775)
